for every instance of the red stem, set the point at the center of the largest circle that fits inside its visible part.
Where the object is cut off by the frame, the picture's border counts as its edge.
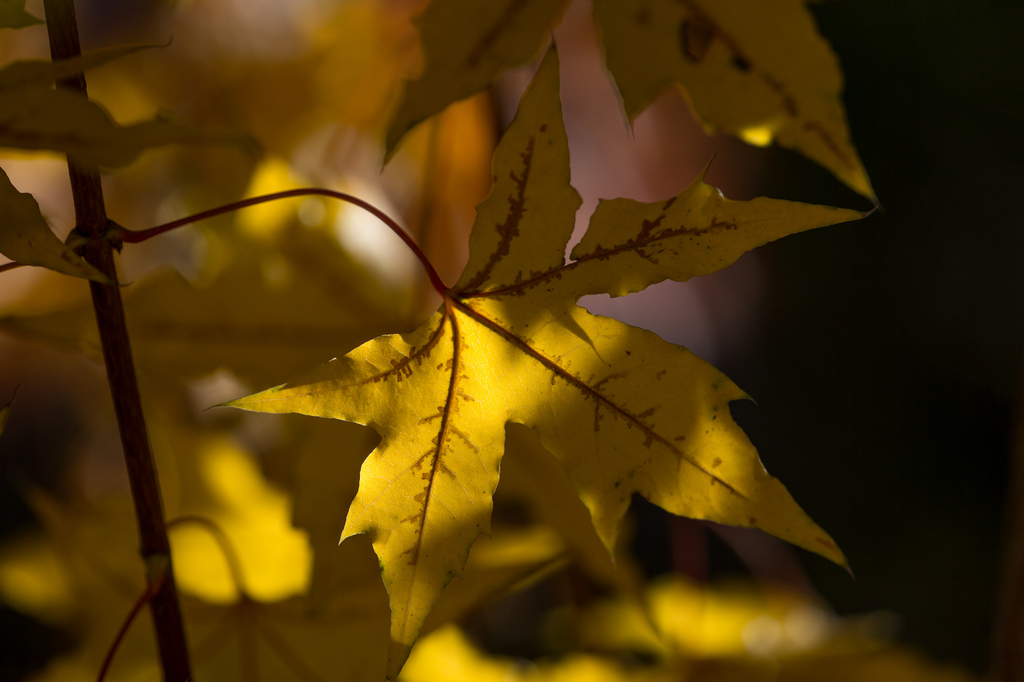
(146, 597)
(10, 266)
(135, 236)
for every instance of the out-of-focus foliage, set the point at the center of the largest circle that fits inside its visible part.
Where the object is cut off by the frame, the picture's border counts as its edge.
(757, 69)
(465, 45)
(35, 115)
(245, 572)
(13, 15)
(695, 634)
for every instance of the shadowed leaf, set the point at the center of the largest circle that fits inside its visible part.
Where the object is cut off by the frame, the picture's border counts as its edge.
(43, 73)
(13, 15)
(25, 237)
(465, 44)
(753, 68)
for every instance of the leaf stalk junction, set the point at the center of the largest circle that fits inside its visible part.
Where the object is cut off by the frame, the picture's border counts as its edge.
(117, 234)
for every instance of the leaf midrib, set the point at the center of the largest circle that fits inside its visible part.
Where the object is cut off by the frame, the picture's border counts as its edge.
(556, 369)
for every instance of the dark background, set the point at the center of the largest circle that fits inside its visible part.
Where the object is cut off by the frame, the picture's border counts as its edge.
(889, 362)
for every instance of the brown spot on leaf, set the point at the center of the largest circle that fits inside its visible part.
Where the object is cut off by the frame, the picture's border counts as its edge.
(696, 36)
(717, 462)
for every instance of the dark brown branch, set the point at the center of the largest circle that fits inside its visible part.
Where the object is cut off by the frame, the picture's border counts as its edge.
(90, 214)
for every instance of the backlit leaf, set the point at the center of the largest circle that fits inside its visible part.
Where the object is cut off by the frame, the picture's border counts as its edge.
(757, 69)
(465, 44)
(25, 237)
(621, 409)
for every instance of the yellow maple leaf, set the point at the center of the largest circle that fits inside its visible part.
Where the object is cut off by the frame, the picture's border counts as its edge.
(756, 69)
(621, 409)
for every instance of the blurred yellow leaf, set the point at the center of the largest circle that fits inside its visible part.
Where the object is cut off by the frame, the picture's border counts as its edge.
(451, 155)
(25, 237)
(757, 69)
(61, 120)
(448, 656)
(13, 15)
(268, 313)
(739, 632)
(257, 519)
(510, 345)
(465, 44)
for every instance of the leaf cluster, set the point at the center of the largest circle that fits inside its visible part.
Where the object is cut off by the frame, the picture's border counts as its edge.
(510, 395)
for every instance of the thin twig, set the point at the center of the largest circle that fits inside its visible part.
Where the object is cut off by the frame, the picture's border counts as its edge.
(90, 214)
(146, 597)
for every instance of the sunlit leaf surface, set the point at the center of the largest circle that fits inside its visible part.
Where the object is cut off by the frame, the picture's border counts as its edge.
(622, 410)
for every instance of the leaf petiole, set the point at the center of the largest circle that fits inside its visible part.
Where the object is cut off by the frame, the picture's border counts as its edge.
(117, 233)
(134, 236)
(147, 596)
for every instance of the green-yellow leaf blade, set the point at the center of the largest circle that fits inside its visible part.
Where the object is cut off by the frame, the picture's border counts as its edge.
(425, 492)
(465, 43)
(25, 237)
(631, 245)
(757, 69)
(625, 411)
